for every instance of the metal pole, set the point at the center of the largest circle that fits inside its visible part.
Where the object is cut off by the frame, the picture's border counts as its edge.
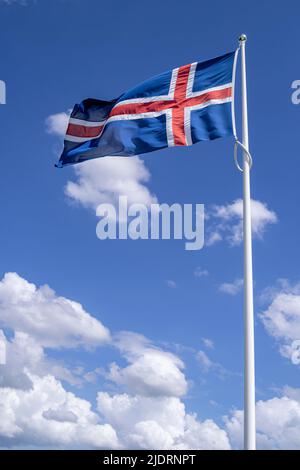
(249, 369)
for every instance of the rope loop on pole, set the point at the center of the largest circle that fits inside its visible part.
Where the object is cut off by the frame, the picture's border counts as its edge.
(238, 144)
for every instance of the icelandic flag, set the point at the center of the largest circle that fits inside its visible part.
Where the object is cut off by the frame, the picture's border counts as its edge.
(179, 107)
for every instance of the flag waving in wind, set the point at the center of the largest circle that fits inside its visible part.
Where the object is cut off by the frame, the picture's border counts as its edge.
(180, 107)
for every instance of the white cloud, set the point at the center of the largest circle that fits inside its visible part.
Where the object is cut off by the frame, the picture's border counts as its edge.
(57, 124)
(227, 221)
(124, 412)
(53, 321)
(232, 288)
(24, 354)
(282, 317)
(278, 424)
(61, 415)
(42, 416)
(37, 411)
(48, 416)
(2, 348)
(151, 371)
(155, 373)
(104, 180)
(291, 392)
(200, 272)
(205, 435)
(158, 423)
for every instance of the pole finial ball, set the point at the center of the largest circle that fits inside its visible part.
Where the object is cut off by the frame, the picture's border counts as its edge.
(242, 38)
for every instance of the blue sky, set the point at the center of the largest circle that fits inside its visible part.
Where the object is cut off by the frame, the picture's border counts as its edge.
(56, 53)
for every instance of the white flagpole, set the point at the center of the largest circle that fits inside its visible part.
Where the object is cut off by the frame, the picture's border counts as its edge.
(249, 370)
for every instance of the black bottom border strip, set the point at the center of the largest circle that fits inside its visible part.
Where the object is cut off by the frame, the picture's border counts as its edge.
(138, 458)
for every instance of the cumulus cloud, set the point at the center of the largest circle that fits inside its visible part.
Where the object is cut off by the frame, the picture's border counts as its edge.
(2, 348)
(232, 288)
(53, 321)
(103, 180)
(278, 424)
(61, 415)
(37, 411)
(226, 221)
(159, 423)
(151, 371)
(282, 317)
(57, 124)
(147, 410)
(291, 392)
(205, 435)
(24, 354)
(47, 415)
